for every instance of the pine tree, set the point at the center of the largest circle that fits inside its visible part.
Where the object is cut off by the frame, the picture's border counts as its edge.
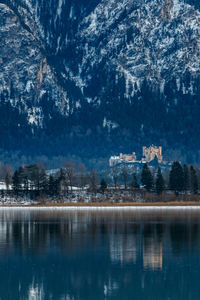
(26, 184)
(134, 183)
(94, 179)
(34, 176)
(194, 180)
(38, 178)
(43, 183)
(147, 178)
(16, 183)
(176, 178)
(186, 178)
(125, 176)
(62, 186)
(8, 181)
(62, 174)
(103, 185)
(52, 190)
(160, 184)
(21, 174)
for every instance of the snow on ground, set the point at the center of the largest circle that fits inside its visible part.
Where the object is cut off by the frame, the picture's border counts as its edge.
(2, 185)
(98, 208)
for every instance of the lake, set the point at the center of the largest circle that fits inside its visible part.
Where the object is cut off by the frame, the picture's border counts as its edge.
(99, 254)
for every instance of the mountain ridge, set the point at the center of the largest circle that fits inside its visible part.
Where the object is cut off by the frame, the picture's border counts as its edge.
(100, 70)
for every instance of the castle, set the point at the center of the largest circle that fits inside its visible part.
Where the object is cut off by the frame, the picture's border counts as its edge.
(149, 154)
(128, 157)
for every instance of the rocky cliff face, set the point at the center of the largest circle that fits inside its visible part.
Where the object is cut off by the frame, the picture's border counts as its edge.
(25, 74)
(77, 72)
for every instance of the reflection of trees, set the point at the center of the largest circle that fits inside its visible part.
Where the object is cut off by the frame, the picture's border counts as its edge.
(75, 253)
(184, 236)
(123, 244)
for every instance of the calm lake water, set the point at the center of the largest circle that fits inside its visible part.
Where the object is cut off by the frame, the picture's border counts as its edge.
(99, 254)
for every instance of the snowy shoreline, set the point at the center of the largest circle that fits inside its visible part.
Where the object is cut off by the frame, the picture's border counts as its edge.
(93, 208)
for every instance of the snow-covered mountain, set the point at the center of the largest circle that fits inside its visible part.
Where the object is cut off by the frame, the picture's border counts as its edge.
(75, 73)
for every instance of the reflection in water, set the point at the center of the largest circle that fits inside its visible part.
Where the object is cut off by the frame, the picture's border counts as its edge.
(152, 254)
(152, 249)
(123, 248)
(36, 293)
(99, 255)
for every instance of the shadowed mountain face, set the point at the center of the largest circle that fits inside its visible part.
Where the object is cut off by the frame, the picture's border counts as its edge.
(99, 77)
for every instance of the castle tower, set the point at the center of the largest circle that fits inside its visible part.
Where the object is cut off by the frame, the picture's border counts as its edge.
(150, 153)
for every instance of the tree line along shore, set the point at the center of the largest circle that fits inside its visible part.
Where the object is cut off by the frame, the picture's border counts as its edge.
(119, 184)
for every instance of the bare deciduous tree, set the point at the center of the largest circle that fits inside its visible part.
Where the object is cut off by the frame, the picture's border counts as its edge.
(125, 175)
(115, 175)
(94, 179)
(63, 186)
(70, 171)
(81, 175)
(4, 170)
